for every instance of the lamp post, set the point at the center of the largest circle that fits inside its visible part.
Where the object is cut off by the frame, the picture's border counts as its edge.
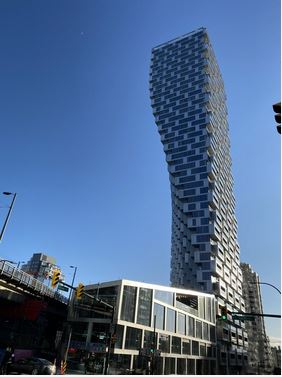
(8, 214)
(69, 326)
(19, 263)
(271, 285)
(73, 278)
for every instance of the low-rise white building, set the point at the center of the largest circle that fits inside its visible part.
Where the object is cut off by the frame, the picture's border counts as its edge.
(154, 329)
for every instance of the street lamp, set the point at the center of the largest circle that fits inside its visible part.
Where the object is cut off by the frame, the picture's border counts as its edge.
(20, 262)
(74, 274)
(8, 214)
(271, 285)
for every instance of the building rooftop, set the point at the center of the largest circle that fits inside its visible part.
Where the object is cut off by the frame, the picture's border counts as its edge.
(179, 38)
(148, 285)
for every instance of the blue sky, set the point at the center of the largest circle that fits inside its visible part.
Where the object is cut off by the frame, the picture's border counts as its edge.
(80, 147)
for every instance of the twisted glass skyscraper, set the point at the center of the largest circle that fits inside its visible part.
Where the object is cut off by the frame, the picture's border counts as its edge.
(188, 102)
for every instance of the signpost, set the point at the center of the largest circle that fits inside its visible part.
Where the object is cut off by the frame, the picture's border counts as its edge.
(243, 317)
(61, 287)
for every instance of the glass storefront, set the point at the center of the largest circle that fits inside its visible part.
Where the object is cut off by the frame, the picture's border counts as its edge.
(181, 366)
(190, 366)
(169, 365)
(136, 304)
(119, 364)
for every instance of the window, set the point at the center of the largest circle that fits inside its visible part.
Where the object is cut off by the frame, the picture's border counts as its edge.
(205, 265)
(191, 326)
(133, 338)
(128, 303)
(205, 331)
(208, 308)
(119, 336)
(181, 366)
(158, 365)
(186, 302)
(144, 307)
(120, 363)
(190, 366)
(198, 329)
(159, 313)
(169, 365)
(181, 323)
(202, 349)
(170, 321)
(201, 306)
(148, 339)
(176, 345)
(164, 343)
(195, 348)
(164, 296)
(107, 294)
(206, 275)
(205, 256)
(186, 347)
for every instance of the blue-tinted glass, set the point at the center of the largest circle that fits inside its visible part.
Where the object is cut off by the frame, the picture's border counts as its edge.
(159, 313)
(170, 320)
(164, 296)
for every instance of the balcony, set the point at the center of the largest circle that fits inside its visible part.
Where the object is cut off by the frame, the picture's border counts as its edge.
(215, 234)
(216, 268)
(210, 171)
(212, 200)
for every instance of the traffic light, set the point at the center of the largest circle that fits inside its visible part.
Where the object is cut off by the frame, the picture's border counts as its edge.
(55, 278)
(224, 313)
(79, 291)
(277, 116)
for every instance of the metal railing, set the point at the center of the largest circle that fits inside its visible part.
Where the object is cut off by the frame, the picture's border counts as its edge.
(8, 270)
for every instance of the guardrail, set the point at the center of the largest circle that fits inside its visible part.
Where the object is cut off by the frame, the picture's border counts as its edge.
(22, 278)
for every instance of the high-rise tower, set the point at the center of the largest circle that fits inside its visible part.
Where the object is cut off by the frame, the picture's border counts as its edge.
(259, 348)
(188, 102)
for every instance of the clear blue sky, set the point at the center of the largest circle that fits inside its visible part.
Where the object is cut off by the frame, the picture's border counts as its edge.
(80, 147)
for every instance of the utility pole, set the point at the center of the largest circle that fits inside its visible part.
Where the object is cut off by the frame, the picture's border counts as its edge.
(8, 214)
(109, 342)
(154, 348)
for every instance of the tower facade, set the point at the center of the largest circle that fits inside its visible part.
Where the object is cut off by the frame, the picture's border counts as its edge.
(188, 102)
(40, 266)
(259, 348)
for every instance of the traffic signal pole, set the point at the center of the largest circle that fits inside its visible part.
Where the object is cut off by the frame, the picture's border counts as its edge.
(255, 315)
(107, 361)
(155, 347)
(79, 293)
